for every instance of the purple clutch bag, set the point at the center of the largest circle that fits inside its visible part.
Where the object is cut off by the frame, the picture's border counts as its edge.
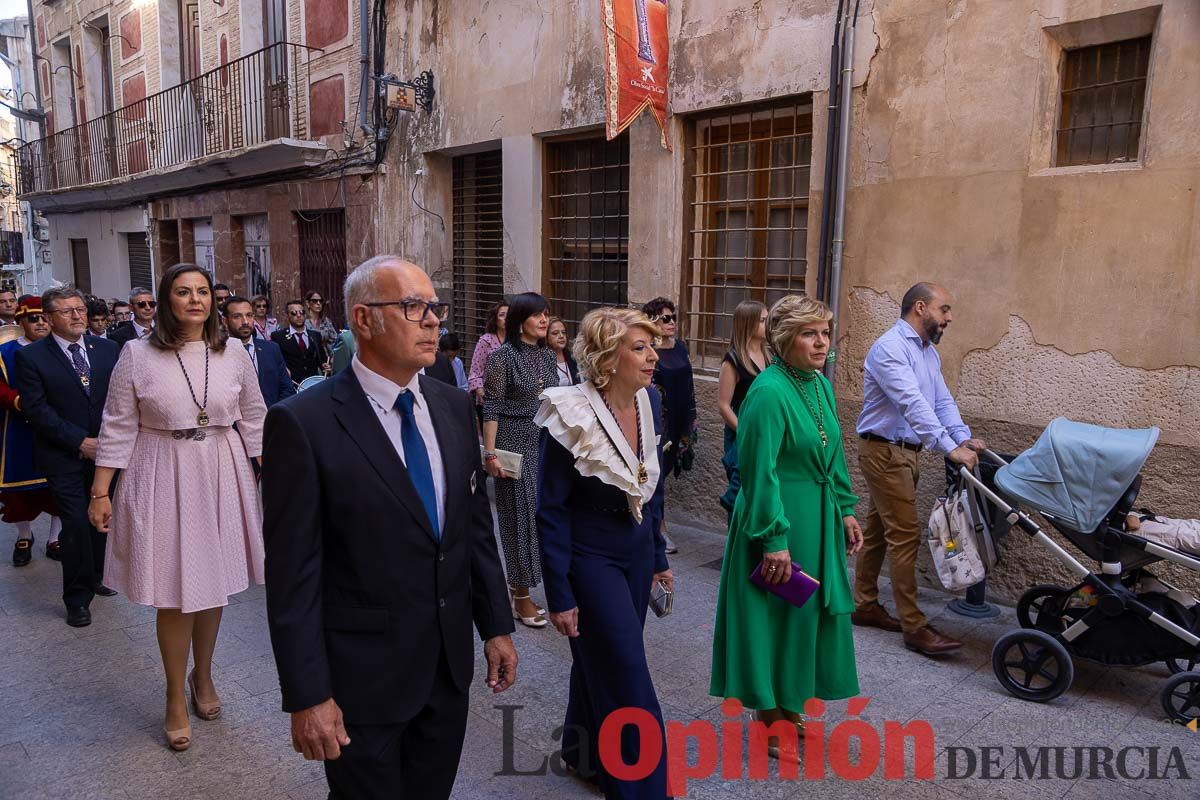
(796, 591)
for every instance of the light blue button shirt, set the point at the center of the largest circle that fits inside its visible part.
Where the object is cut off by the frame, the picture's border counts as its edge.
(905, 397)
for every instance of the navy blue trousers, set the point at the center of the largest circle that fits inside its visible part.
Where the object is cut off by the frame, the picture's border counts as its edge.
(610, 577)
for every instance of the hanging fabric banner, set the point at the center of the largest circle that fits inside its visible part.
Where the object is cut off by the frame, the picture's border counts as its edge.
(636, 50)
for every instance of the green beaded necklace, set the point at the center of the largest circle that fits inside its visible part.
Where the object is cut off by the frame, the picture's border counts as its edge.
(817, 410)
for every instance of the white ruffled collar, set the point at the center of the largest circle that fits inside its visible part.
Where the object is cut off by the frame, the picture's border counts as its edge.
(578, 419)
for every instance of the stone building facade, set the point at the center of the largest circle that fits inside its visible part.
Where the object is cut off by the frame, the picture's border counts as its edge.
(182, 130)
(1038, 157)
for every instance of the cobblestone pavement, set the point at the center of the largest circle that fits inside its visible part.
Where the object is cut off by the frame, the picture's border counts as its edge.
(81, 709)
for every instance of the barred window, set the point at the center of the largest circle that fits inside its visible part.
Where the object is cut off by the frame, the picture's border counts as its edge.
(478, 278)
(587, 225)
(1103, 97)
(749, 217)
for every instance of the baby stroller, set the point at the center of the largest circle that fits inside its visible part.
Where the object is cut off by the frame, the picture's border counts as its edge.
(1084, 480)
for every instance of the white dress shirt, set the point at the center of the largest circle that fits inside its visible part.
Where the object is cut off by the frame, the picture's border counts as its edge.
(383, 393)
(66, 348)
(141, 332)
(250, 349)
(303, 338)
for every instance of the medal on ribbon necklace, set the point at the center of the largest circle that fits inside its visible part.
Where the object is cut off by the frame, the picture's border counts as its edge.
(642, 475)
(202, 417)
(817, 410)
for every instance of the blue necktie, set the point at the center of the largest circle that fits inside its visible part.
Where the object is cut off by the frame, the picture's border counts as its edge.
(416, 459)
(82, 368)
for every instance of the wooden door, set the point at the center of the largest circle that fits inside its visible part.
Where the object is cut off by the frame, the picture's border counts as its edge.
(275, 91)
(189, 21)
(82, 265)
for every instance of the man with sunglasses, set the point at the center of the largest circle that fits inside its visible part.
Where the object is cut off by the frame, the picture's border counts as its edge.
(63, 381)
(303, 350)
(24, 492)
(142, 323)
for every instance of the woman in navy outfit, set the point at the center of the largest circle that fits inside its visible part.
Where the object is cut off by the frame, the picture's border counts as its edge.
(599, 512)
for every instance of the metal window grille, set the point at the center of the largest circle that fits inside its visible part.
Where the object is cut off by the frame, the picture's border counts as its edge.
(1103, 96)
(140, 270)
(749, 217)
(478, 277)
(587, 225)
(322, 236)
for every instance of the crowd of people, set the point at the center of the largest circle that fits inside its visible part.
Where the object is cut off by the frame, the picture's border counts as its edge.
(180, 464)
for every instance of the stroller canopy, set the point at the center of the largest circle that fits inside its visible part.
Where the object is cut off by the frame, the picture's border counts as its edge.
(1077, 472)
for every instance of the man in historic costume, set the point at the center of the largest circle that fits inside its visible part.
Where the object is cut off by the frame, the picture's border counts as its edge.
(24, 494)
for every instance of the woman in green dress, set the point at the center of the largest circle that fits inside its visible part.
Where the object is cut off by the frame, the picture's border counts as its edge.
(795, 505)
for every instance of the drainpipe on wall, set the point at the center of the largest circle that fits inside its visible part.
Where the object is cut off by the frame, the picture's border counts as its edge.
(839, 214)
(364, 61)
(831, 126)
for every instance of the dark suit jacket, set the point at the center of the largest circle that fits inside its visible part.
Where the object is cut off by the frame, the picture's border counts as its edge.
(123, 333)
(273, 377)
(442, 370)
(61, 412)
(301, 364)
(362, 601)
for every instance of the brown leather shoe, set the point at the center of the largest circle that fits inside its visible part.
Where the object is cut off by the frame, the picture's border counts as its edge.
(929, 642)
(875, 616)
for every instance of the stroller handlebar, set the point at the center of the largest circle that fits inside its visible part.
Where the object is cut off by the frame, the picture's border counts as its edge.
(993, 457)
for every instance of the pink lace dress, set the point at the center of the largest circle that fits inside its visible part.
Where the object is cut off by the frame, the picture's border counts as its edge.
(187, 522)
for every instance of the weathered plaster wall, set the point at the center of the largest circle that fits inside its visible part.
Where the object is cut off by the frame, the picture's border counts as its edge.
(1075, 288)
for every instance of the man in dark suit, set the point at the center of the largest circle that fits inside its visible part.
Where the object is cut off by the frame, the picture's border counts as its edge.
(273, 377)
(63, 381)
(381, 553)
(303, 351)
(139, 327)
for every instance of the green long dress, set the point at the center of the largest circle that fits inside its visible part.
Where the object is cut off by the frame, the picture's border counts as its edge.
(767, 653)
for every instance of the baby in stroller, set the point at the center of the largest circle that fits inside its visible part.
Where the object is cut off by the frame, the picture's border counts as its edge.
(1182, 534)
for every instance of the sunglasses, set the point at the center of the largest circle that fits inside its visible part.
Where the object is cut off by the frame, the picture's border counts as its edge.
(260, 305)
(296, 313)
(315, 300)
(34, 317)
(665, 318)
(146, 303)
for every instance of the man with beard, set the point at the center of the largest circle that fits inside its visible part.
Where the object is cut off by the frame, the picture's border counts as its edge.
(273, 377)
(906, 408)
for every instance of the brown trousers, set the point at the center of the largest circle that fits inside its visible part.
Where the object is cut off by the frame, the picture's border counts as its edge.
(891, 473)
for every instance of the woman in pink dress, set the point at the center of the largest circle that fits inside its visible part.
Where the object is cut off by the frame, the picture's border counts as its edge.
(185, 528)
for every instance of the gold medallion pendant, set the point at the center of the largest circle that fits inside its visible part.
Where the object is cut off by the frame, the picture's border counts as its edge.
(643, 476)
(202, 418)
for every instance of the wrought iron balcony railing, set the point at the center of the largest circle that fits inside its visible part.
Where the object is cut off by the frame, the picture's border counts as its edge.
(258, 98)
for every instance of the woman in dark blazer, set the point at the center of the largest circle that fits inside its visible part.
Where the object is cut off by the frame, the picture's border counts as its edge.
(599, 512)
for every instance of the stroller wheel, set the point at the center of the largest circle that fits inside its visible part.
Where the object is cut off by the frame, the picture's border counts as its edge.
(1032, 665)
(1181, 697)
(1178, 665)
(1041, 607)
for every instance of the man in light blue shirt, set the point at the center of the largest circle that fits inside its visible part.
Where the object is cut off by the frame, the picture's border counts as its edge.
(906, 408)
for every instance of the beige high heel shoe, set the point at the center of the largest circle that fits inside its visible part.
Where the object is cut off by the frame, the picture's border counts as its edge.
(205, 711)
(179, 740)
(537, 621)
